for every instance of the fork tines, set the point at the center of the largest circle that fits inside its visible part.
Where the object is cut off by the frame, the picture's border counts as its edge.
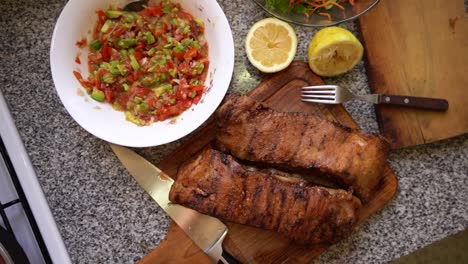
(319, 94)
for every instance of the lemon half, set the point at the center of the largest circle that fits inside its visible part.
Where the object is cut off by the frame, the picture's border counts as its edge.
(271, 45)
(334, 51)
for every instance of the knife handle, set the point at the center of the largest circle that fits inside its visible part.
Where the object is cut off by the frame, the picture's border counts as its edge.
(434, 104)
(227, 258)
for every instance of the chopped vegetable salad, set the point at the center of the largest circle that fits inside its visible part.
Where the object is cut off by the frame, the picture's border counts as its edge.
(152, 64)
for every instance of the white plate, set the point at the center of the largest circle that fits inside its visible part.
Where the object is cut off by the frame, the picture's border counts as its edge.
(77, 20)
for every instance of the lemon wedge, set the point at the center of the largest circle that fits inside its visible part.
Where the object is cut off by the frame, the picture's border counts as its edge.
(334, 51)
(271, 45)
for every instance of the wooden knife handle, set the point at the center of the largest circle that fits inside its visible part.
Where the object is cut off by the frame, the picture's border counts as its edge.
(415, 102)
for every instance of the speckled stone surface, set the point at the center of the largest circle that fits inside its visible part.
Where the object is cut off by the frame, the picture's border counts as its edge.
(104, 217)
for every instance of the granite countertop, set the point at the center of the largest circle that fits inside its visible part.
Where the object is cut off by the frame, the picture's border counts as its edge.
(104, 216)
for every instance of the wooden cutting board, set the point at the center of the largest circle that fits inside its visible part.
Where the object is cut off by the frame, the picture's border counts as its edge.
(418, 48)
(248, 244)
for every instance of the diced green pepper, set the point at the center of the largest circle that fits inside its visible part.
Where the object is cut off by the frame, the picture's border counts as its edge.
(168, 46)
(134, 63)
(114, 67)
(108, 78)
(143, 107)
(114, 13)
(199, 68)
(172, 72)
(122, 69)
(125, 86)
(116, 106)
(95, 45)
(127, 43)
(151, 51)
(130, 117)
(149, 38)
(186, 29)
(193, 94)
(199, 22)
(98, 95)
(172, 101)
(124, 54)
(166, 9)
(158, 91)
(105, 28)
(129, 17)
(137, 99)
(164, 87)
(179, 48)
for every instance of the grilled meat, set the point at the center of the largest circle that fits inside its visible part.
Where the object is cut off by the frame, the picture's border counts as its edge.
(252, 131)
(214, 183)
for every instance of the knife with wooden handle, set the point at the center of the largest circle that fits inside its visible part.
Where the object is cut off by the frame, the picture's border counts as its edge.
(207, 232)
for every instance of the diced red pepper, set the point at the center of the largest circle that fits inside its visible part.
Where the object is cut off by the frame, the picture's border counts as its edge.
(77, 59)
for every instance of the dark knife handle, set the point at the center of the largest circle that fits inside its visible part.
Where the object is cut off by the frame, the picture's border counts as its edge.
(415, 102)
(229, 258)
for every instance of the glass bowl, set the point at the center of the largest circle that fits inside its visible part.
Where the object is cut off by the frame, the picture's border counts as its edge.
(315, 20)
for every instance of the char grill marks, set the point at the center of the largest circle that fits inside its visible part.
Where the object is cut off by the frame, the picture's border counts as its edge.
(251, 131)
(216, 184)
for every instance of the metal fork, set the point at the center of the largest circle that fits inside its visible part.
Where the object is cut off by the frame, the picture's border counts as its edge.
(334, 94)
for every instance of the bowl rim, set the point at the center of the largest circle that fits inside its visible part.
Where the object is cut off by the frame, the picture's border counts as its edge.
(318, 25)
(194, 125)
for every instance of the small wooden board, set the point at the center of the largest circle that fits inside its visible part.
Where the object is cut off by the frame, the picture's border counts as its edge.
(248, 244)
(418, 48)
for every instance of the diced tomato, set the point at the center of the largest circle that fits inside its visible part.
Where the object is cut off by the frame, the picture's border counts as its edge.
(106, 52)
(180, 36)
(119, 31)
(138, 55)
(184, 15)
(197, 99)
(136, 75)
(152, 102)
(139, 91)
(187, 104)
(83, 83)
(159, 31)
(101, 19)
(109, 94)
(191, 53)
(152, 11)
(77, 59)
(98, 80)
(184, 68)
(81, 43)
(198, 88)
(139, 46)
(170, 64)
(178, 55)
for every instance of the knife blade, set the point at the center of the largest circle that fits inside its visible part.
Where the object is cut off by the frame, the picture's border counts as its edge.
(207, 232)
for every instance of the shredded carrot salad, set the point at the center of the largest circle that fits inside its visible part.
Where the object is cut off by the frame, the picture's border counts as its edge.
(308, 7)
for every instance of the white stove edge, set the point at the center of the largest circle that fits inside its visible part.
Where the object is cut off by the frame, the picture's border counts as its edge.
(30, 184)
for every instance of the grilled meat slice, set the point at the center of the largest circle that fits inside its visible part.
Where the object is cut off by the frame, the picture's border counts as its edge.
(252, 131)
(214, 183)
